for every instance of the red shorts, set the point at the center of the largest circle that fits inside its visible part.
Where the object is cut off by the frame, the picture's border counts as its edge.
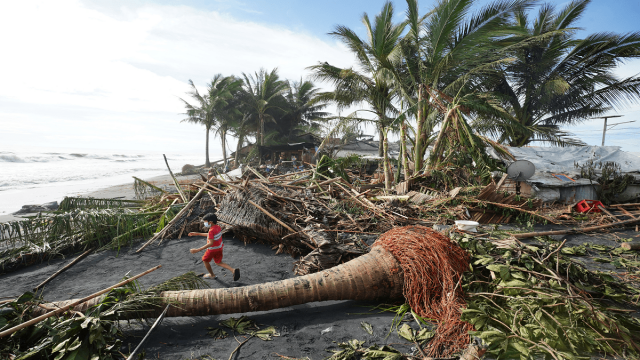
(216, 255)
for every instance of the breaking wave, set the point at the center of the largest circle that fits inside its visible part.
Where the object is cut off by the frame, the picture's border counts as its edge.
(52, 156)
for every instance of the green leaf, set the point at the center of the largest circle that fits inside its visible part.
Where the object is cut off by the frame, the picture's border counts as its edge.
(424, 334)
(74, 345)
(503, 270)
(267, 333)
(82, 353)
(520, 347)
(217, 333)
(406, 332)
(25, 297)
(367, 327)
(60, 346)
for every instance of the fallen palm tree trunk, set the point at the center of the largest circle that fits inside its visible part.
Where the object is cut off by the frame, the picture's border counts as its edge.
(414, 261)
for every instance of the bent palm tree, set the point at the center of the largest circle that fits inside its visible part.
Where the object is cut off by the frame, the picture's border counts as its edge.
(558, 80)
(447, 53)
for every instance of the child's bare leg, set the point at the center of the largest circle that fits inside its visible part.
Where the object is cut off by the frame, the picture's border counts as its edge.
(226, 266)
(209, 269)
(235, 272)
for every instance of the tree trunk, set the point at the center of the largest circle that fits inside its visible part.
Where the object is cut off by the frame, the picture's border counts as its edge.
(223, 134)
(435, 157)
(262, 129)
(387, 170)
(371, 277)
(381, 137)
(207, 163)
(403, 150)
(238, 147)
(418, 153)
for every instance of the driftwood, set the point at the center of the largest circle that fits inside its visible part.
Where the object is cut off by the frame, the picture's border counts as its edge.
(74, 303)
(82, 256)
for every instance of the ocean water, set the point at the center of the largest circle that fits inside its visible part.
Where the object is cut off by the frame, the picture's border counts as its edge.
(37, 176)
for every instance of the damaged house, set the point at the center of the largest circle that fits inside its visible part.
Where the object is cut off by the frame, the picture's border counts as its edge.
(558, 179)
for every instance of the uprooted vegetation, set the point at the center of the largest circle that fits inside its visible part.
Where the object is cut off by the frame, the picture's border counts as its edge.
(528, 300)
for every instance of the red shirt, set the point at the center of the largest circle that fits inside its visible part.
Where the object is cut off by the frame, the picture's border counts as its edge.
(215, 233)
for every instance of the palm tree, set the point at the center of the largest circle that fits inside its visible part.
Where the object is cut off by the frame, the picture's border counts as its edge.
(241, 128)
(212, 109)
(226, 112)
(447, 54)
(373, 83)
(304, 109)
(200, 113)
(558, 80)
(264, 91)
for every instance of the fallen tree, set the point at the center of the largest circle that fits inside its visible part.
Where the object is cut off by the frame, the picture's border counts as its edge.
(417, 262)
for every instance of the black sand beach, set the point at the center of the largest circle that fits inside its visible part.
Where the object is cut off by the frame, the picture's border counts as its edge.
(305, 330)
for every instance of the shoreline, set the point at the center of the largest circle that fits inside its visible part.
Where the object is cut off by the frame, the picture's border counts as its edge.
(121, 191)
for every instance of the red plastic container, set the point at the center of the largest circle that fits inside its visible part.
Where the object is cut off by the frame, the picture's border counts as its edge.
(588, 206)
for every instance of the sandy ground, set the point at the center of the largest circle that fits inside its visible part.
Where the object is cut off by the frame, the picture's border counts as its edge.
(301, 327)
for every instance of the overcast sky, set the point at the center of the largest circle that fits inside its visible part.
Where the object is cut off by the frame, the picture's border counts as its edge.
(108, 74)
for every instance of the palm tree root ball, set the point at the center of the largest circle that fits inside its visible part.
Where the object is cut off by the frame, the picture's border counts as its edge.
(413, 262)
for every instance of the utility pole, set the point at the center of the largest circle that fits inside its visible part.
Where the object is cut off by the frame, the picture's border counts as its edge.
(604, 129)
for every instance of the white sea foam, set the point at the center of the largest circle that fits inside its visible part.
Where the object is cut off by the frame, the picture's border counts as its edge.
(43, 175)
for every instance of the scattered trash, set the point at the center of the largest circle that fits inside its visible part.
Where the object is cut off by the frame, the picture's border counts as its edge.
(327, 330)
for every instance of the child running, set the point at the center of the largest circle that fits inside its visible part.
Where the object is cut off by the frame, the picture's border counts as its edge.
(214, 247)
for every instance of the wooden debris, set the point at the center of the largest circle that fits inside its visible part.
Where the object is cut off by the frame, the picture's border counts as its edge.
(68, 306)
(82, 256)
(578, 230)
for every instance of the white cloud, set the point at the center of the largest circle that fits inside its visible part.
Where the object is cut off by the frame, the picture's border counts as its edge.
(86, 74)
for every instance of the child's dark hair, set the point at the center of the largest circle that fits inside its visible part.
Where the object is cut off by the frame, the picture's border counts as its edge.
(211, 217)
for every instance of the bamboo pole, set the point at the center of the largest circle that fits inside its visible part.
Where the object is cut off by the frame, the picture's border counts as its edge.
(570, 231)
(290, 174)
(256, 173)
(175, 181)
(82, 256)
(158, 320)
(271, 216)
(72, 304)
